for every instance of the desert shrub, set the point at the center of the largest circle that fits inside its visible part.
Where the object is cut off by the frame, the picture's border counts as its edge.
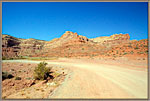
(21, 57)
(117, 52)
(136, 47)
(6, 75)
(11, 58)
(146, 51)
(41, 72)
(141, 52)
(125, 53)
(131, 52)
(17, 78)
(29, 78)
(19, 71)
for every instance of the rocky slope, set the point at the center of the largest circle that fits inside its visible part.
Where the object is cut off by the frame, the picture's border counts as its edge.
(14, 47)
(136, 48)
(113, 40)
(68, 45)
(116, 37)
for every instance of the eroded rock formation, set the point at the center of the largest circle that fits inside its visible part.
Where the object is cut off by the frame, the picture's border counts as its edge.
(68, 45)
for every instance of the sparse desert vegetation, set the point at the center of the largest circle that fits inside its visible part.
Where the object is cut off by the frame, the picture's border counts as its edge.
(21, 78)
(70, 62)
(74, 50)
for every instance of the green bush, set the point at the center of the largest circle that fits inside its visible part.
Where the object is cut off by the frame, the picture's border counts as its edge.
(117, 52)
(29, 78)
(131, 52)
(125, 53)
(10, 58)
(17, 78)
(41, 72)
(140, 52)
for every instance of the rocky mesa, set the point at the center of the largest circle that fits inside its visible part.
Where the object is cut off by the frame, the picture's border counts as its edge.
(70, 44)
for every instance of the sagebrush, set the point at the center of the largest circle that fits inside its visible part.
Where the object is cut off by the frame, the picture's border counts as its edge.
(41, 72)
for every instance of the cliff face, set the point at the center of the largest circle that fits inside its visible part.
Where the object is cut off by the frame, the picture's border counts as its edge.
(30, 46)
(10, 46)
(14, 47)
(68, 45)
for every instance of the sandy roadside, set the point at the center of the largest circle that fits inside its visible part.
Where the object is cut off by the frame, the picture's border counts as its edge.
(96, 80)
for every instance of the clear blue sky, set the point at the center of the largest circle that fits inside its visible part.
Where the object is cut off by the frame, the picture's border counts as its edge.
(50, 20)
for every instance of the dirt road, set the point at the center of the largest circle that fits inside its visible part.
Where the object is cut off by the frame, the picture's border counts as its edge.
(98, 80)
